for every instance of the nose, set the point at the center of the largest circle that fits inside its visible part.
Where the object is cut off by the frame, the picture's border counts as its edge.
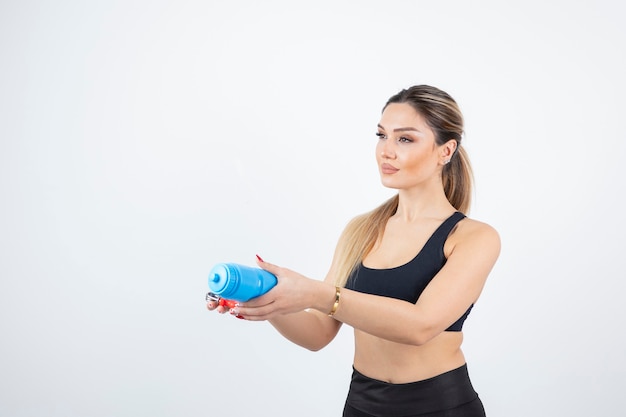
(387, 150)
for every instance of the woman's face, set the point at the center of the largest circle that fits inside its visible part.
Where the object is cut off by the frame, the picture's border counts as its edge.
(407, 153)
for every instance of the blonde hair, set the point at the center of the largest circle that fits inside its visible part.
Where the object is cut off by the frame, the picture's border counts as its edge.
(445, 119)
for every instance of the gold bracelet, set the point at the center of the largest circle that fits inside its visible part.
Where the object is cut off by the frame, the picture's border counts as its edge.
(337, 296)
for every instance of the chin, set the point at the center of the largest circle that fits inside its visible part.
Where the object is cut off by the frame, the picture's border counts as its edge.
(390, 184)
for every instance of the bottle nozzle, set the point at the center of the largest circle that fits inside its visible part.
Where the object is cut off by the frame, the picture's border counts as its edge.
(216, 278)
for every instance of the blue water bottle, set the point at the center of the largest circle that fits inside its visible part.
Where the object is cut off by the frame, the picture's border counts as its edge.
(239, 282)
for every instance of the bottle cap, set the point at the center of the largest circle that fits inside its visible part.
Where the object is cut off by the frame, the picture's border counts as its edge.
(221, 281)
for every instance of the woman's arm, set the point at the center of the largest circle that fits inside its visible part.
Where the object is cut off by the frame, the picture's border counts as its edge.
(306, 327)
(445, 299)
(310, 328)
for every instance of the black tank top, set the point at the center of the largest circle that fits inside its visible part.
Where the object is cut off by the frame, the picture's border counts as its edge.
(407, 282)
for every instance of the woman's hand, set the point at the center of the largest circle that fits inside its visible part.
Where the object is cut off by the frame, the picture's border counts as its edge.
(293, 293)
(297, 307)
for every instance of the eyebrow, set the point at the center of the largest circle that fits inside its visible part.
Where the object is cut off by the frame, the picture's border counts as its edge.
(403, 129)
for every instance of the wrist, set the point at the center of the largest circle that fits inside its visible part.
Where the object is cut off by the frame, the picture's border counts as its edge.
(333, 309)
(327, 300)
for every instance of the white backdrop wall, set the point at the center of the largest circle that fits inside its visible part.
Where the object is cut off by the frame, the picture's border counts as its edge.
(142, 142)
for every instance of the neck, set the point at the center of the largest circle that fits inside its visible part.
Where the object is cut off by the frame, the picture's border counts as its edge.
(423, 202)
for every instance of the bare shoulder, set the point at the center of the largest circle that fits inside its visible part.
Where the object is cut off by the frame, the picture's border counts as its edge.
(474, 227)
(477, 234)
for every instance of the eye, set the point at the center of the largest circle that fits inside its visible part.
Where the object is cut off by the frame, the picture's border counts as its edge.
(381, 135)
(404, 139)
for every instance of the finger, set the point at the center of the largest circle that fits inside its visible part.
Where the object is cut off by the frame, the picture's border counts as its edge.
(264, 317)
(255, 313)
(212, 301)
(262, 300)
(274, 269)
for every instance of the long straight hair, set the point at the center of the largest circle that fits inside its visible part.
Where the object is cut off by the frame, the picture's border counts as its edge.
(443, 116)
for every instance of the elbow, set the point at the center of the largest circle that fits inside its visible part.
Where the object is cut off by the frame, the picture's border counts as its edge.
(315, 346)
(421, 336)
(323, 338)
(418, 340)
(311, 345)
(319, 344)
(424, 340)
(422, 328)
(314, 343)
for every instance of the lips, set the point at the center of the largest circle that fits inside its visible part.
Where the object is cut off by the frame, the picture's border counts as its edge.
(388, 169)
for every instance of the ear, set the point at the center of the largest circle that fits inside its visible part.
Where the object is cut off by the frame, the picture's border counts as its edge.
(447, 150)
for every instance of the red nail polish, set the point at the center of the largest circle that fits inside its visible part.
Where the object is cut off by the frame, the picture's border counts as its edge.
(235, 313)
(259, 258)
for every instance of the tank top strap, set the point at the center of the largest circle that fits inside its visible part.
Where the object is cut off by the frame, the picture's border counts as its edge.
(441, 234)
(433, 248)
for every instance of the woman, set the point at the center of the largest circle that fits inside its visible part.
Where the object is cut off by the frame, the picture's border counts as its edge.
(405, 275)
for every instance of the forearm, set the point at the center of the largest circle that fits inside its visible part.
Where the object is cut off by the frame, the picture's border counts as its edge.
(384, 317)
(308, 329)
(388, 318)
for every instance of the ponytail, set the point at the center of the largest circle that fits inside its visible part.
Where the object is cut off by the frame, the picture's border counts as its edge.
(457, 180)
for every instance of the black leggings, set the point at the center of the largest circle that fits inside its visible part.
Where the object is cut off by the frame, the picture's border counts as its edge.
(447, 395)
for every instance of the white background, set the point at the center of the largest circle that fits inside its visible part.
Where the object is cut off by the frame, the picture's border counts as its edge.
(141, 142)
